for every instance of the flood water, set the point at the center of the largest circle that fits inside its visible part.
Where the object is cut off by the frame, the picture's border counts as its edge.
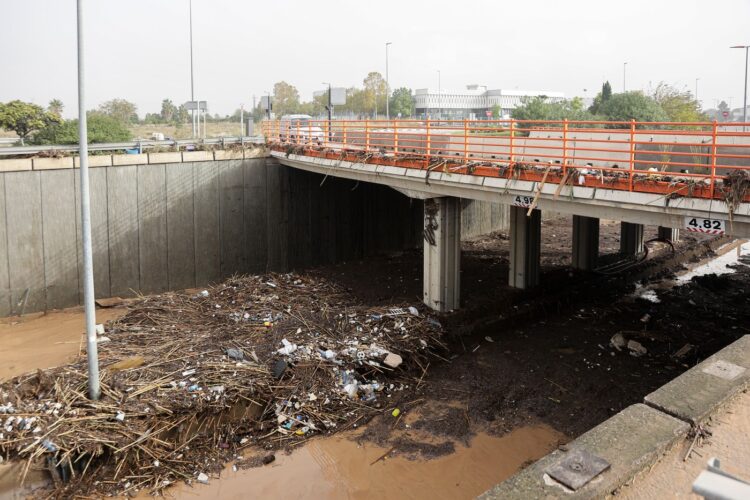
(334, 467)
(339, 468)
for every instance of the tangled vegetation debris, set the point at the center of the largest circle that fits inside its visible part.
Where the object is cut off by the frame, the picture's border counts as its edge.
(188, 380)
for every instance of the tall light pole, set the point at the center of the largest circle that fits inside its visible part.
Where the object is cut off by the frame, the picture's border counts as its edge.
(387, 88)
(92, 353)
(330, 111)
(440, 96)
(192, 86)
(744, 102)
(624, 75)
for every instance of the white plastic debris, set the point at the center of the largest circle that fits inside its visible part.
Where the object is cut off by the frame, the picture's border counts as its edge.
(618, 341)
(351, 389)
(120, 417)
(636, 348)
(100, 329)
(102, 339)
(217, 389)
(392, 360)
(204, 293)
(202, 478)
(288, 348)
(413, 311)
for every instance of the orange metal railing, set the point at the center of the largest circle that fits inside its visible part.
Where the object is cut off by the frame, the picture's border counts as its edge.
(681, 159)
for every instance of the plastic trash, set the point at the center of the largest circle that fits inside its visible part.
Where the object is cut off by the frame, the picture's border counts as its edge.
(235, 354)
(413, 311)
(120, 416)
(392, 360)
(100, 329)
(204, 293)
(202, 478)
(351, 389)
(49, 445)
(288, 348)
(278, 369)
(396, 412)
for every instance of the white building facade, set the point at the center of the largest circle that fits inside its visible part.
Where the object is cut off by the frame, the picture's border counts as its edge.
(474, 103)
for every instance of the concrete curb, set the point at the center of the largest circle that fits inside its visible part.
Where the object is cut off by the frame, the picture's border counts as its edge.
(636, 437)
(698, 392)
(630, 441)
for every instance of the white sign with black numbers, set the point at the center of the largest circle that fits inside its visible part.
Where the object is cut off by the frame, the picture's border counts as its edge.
(707, 226)
(522, 201)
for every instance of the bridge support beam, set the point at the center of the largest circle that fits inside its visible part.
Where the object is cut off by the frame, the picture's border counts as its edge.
(669, 233)
(525, 247)
(585, 242)
(442, 253)
(631, 238)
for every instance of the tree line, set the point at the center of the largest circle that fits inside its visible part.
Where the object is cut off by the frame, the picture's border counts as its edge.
(663, 104)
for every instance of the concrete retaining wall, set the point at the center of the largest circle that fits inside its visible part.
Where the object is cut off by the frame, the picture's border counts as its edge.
(482, 217)
(169, 226)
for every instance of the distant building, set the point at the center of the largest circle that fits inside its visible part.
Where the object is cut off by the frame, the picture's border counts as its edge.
(472, 103)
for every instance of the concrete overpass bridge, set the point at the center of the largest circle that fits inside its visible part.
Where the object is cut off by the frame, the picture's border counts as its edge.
(679, 176)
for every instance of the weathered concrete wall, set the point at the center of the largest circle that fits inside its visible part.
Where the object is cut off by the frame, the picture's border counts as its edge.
(172, 226)
(482, 217)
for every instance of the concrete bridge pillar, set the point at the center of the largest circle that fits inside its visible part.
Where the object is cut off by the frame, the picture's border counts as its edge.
(669, 233)
(585, 242)
(631, 238)
(442, 253)
(525, 247)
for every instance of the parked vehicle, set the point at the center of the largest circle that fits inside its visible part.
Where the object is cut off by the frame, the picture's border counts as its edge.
(297, 128)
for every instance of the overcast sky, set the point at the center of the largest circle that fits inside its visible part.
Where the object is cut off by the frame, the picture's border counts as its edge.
(139, 49)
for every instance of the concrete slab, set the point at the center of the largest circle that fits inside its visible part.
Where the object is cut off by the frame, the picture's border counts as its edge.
(231, 199)
(15, 165)
(695, 394)
(180, 226)
(169, 157)
(227, 154)
(630, 441)
(206, 217)
(5, 308)
(122, 210)
(152, 228)
(197, 156)
(59, 236)
(99, 230)
(53, 163)
(137, 159)
(94, 161)
(256, 235)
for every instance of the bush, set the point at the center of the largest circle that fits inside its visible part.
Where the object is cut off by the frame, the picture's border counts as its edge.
(101, 128)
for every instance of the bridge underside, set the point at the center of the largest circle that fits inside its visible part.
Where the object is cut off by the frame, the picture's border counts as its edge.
(527, 198)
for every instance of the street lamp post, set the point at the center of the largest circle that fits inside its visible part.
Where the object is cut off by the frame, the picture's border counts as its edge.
(624, 75)
(387, 87)
(744, 102)
(192, 87)
(88, 258)
(330, 110)
(440, 97)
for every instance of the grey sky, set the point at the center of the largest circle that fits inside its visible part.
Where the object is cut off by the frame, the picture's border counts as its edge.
(138, 49)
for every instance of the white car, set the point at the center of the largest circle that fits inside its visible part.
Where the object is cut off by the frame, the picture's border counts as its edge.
(292, 126)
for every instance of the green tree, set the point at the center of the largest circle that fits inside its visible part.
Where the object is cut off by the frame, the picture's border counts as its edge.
(25, 118)
(55, 107)
(680, 106)
(539, 108)
(120, 109)
(375, 92)
(152, 118)
(632, 106)
(496, 110)
(100, 127)
(182, 116)
(402, 102)
(285, 99)
(601, 97)
(168, 111)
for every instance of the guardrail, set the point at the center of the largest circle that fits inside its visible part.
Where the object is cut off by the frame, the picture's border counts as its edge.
(140, 145)
(673, 158)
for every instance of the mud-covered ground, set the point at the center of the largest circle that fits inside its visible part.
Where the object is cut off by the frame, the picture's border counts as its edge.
(545, 356)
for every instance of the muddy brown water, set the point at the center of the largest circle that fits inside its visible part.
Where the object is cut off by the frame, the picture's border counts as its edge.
(339, 467)
(45, 340)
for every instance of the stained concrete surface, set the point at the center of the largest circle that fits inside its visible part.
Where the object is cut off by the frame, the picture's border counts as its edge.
(673, 476)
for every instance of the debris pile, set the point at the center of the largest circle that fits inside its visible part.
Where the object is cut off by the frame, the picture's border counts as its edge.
(189, 380)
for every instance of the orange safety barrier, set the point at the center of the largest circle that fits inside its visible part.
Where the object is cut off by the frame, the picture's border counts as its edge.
(694, 159)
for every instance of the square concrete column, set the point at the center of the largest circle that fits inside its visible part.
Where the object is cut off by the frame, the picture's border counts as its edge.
(631, 238)
(525, 247)
(442, 253)
(585, 242)
(669, 233)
